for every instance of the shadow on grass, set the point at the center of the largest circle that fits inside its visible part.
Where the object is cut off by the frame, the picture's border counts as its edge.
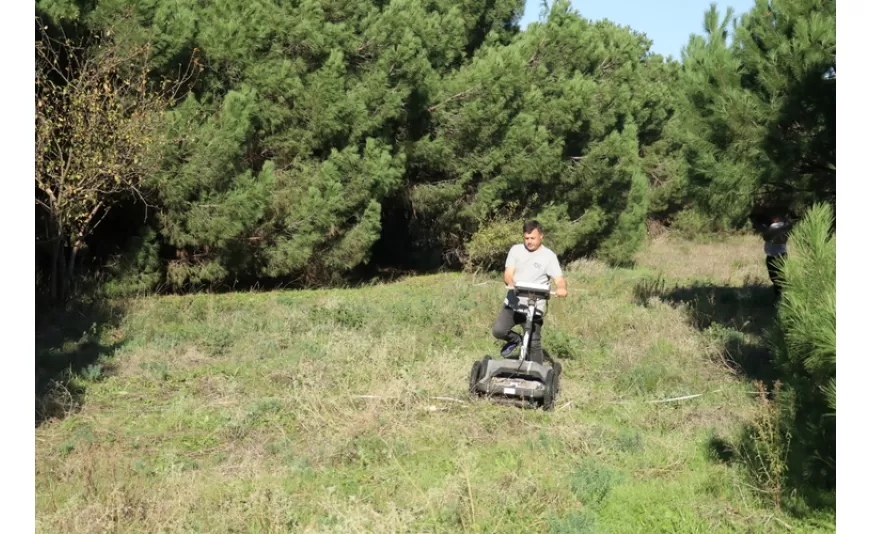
(736, 316)
(740, 322)
(365, 276)
(70, 352)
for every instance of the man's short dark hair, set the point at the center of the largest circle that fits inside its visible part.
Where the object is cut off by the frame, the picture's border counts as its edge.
(528, 226)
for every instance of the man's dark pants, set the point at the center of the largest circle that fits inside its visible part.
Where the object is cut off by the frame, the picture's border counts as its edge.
(774, 269)
(507, 319)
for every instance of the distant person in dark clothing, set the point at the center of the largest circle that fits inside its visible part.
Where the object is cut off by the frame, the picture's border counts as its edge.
(775, 235)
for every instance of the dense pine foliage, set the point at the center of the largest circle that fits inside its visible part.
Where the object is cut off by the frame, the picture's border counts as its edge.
(307, 139)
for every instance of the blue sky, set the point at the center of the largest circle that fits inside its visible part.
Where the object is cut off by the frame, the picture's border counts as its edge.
(668, 23)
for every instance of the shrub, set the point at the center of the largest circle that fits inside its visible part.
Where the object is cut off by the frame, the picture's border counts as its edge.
(488, 247)
(804, 346)
(137, 270)
(591, 482)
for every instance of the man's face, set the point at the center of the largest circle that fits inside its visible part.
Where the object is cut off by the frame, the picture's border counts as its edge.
(533, 240)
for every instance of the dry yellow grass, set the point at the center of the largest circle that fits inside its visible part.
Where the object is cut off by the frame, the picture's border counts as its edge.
(740, 262)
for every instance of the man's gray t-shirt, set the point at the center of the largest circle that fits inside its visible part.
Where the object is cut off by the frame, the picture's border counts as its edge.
(536, 267)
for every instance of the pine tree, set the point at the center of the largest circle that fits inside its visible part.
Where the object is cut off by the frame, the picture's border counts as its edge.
(804, 343)
(298, 131)
(545, 127)
(317, 130)
(788, 56)
(725, 124)
(760, 113)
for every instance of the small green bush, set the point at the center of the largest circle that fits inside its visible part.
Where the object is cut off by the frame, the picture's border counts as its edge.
(764, 445)
(488, 247)
(629, 441)
(93, 372)
(561, 345)
(591, 482)
(137, 270)
(574, 523)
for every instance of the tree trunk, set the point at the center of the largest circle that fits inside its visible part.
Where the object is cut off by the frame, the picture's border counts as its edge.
(86, 229)
(55, 259)
(72, 261)
(61, 271)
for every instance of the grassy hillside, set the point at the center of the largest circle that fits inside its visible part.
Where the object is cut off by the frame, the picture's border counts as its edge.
(347, 410)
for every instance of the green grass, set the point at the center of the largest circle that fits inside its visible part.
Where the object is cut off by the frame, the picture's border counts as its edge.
(317, 411)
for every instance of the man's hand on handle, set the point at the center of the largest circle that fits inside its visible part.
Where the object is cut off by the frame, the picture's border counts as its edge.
(561, 287)
(558, 293)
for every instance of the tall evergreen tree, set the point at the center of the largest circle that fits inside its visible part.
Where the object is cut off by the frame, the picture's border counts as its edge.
(760, 113)
(788, 54)
(548, 126)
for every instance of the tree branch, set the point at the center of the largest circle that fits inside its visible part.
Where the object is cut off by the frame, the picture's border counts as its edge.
(105, 212)
(454, 97)
(532, 60)
(44, 205)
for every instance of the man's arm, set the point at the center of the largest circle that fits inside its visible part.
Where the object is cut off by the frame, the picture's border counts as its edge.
(510, 267)
(561, 286)
(554, 271)
(509, 276)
